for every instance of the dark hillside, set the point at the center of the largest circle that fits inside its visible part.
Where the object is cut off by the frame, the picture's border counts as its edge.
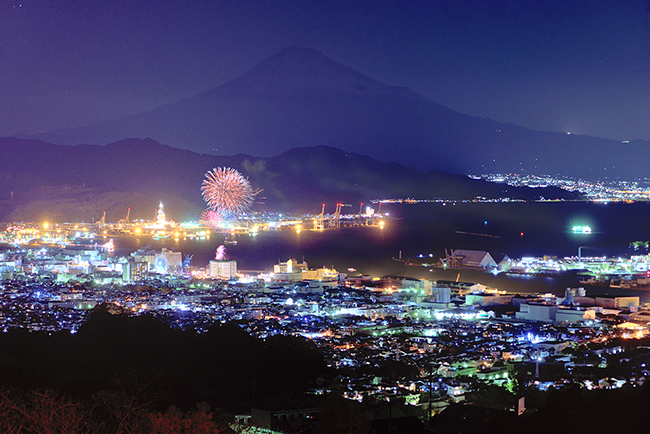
(40, 181)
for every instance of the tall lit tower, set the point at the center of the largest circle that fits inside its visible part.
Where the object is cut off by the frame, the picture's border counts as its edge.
(160, 217)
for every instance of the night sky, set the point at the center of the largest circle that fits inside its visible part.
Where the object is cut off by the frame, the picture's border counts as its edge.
(578, 66)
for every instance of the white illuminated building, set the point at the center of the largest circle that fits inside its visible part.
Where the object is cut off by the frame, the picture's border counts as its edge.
(222, 269)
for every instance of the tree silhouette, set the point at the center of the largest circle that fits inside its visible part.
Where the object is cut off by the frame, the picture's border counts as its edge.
(342, 416)
(175, 421)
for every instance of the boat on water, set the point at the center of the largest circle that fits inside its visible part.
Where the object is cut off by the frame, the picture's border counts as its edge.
(638, 283)
(581, 230)
(623, 284)
(595, 282)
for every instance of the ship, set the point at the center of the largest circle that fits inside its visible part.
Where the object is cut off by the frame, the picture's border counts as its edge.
(638, 283)
(595, 282)
(623, 284)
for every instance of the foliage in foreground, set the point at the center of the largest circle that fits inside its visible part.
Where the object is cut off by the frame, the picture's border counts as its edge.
(47, 412)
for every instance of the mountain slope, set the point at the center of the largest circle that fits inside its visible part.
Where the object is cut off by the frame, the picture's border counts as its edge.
(298, 97)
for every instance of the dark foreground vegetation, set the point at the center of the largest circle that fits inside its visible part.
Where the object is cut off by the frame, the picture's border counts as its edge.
(109, 412)
(224, 367)
(138, 372)
(137, 375)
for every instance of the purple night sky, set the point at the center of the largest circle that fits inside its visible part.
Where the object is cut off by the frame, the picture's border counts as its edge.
(579, 66)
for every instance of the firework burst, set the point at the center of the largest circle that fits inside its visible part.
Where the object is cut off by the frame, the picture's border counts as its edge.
(227, 192)
(211, 218)
(220, 253)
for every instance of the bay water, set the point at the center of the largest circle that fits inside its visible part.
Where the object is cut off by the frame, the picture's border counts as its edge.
(516, 229)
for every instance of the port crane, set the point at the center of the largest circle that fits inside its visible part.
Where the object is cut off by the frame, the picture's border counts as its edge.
(335, 222)
(319, 221)
(102, 221)
(126, 219)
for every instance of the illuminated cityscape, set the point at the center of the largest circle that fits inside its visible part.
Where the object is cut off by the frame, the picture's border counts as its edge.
(268, 217)
(607, 190)
(453, 338)
(450, 339)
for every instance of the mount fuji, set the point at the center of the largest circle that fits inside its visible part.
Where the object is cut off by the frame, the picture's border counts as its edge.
(300, 98)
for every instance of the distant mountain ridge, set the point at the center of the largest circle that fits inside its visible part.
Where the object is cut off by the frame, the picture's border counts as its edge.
(42, 181)
(299, 97)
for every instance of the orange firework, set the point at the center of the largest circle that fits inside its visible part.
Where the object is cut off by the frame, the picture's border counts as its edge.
(227, 192)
